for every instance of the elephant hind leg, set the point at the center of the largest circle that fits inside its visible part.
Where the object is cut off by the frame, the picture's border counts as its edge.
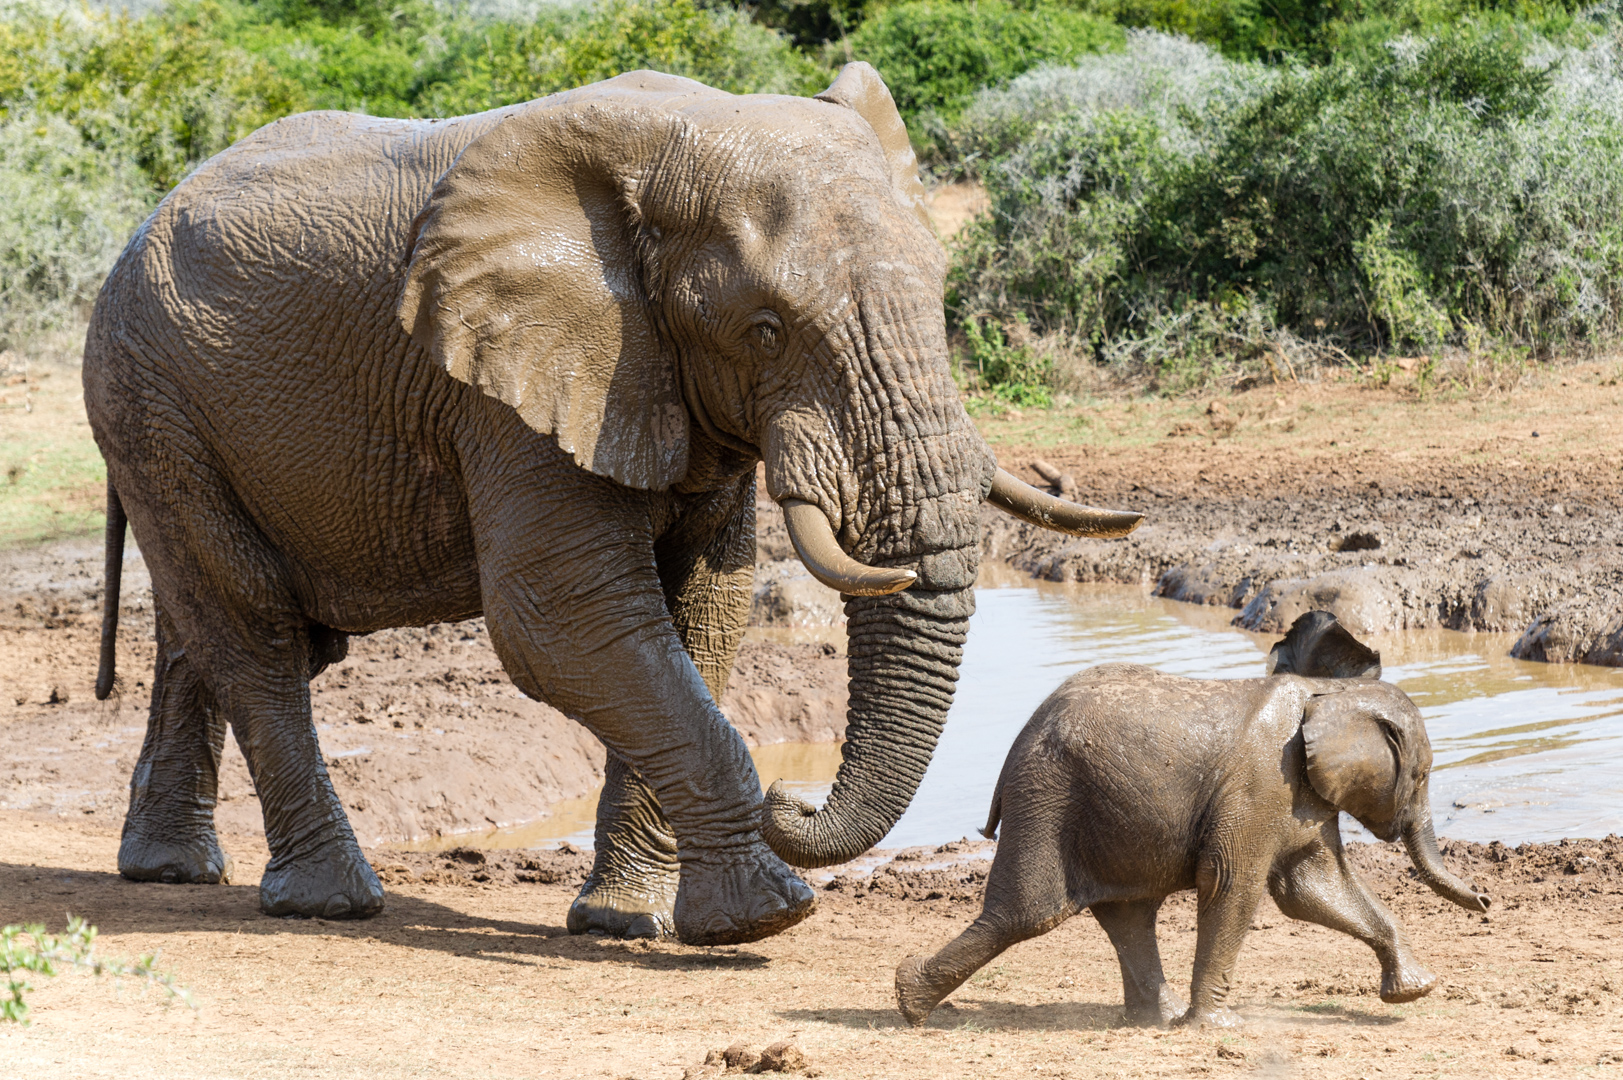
(1026, 895)
(1131, 927)
(631, 892)
(227, 596)
(1319, 887)
(169, 830)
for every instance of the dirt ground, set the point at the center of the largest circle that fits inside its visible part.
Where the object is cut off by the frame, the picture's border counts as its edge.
(469, 973)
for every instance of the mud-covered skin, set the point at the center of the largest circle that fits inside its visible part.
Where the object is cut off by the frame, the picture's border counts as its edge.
(359, 373)
(1129, 785)
(169, 830)
(707, 569)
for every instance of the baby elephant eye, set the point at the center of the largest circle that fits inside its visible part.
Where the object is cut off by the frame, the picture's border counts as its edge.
(766, 335)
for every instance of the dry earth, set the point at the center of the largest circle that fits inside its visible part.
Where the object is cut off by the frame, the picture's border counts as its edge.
(469, 973)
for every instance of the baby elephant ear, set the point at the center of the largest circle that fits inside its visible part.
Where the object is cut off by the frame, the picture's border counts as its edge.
(1354, 755)
(525, 282)
(860, 89)
(1318, 647)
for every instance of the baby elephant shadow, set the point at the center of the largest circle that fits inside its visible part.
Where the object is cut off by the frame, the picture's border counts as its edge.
(981, 1016)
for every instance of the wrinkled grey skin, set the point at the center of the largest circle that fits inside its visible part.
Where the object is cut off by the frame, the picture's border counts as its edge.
(358, 373)
(1128, 785)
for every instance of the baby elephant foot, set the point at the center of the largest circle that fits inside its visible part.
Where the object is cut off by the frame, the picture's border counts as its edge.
(738, 896)
(625, 904)
(334, 883)
(1406, 982)
(197, 861)
(915, 998)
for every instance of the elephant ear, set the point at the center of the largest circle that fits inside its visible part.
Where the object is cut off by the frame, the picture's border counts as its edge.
(1318, 647)
(525, 279)
(1356, 754)
(860, 89)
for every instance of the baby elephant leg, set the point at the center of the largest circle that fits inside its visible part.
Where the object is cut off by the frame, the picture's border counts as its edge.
(922, 984)
(1227, 899)
(1025, 896)
(1131, 926)
(1319, 887)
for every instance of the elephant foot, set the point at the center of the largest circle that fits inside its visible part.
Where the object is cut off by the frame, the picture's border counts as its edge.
(1409, 982)
(195, 862)
(915, 999)
(627, 905)
(728, 899)
(1220, 1017)
(334, 883)
(1167, 1010)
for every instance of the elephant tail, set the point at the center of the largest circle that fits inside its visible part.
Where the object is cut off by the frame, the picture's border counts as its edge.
(996, 814)
(116, 522)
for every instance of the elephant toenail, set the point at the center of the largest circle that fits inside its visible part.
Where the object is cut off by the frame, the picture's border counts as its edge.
(169, 875)
(336, 908)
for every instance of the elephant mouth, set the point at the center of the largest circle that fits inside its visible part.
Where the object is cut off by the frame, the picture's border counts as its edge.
(813, 535)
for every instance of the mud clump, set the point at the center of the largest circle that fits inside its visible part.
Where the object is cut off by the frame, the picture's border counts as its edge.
(780, 1057)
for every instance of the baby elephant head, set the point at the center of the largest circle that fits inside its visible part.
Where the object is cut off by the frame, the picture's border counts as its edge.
(1367, 754)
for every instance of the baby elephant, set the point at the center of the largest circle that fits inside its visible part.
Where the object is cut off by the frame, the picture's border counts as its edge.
(1128, 785)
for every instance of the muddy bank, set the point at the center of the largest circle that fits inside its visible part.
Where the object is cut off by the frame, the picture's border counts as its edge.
(1385, 541)
(422, 730)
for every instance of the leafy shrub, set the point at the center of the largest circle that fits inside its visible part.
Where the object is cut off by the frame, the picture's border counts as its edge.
(935, 54)
(1441, 189)
(29, 949)
(165, 91)
(66, 209)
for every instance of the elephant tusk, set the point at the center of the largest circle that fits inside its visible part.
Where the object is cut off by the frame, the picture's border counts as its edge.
(814, 542)
(1020, 499)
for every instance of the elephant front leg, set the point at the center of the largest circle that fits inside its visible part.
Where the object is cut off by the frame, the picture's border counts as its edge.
(1319, 887)
(169, 830)
(631, 892)
(706, 565)
(1131, 926)
(1228, 894)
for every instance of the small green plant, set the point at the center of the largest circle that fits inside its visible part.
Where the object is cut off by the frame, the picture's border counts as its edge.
(1008, 374)
(29, 949)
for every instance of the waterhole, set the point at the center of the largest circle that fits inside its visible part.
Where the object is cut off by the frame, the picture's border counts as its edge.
(1523, 751)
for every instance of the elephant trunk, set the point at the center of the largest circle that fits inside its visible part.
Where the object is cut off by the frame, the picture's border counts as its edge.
(904, 652)
(1421, 842)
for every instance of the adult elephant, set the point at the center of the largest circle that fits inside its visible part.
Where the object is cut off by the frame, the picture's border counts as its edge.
(358, 373)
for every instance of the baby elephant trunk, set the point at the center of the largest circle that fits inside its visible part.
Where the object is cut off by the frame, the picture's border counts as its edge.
(1421, 841)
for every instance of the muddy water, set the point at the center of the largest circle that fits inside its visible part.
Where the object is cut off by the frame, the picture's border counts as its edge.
(1523, 751)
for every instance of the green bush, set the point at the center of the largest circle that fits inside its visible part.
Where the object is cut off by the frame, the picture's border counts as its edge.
(66, 209)
(101, 113)
(1169, 202)
(935, 54)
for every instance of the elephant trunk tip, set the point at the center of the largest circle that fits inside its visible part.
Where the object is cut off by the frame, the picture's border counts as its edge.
(802, 835)
(1421, 842)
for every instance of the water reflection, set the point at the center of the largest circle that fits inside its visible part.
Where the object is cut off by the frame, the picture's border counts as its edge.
(1523, 751)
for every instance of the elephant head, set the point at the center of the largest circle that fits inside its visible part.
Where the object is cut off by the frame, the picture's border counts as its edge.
(1367, 754)
(669, 279)
(1319, 647)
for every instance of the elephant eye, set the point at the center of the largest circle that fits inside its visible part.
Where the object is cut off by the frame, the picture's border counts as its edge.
(766, 335)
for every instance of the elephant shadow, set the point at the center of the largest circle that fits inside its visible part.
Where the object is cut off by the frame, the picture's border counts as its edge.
(1050, 1016)
(45, 894)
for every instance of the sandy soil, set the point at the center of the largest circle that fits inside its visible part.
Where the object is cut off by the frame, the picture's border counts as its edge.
(469, 973)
